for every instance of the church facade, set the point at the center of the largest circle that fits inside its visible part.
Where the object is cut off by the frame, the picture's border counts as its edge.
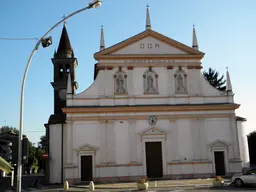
(149, 113)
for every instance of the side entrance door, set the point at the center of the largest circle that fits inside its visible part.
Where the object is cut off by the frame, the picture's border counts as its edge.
(219, 163)
(154, 159)
(86, 168)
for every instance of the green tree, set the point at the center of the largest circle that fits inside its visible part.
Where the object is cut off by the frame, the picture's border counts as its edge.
(252, 147)
(6, 129)
(252, 137)
(212, 76)
(42, 142)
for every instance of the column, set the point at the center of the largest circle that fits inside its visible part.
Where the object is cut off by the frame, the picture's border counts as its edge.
(103, 141)
(68, 134)
(133, 143)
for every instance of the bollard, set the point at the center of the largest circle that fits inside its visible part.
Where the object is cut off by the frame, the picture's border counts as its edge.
(12, 179)
(66, 186)
(155, 183)
(91, 186)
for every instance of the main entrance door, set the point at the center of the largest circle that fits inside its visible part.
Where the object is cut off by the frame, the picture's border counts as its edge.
(154, 159)
(219, 163)
(86, 168)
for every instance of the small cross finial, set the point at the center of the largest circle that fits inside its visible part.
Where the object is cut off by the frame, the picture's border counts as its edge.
(147, 6)
(193, 25)
(101, 26)
(63, 17)
(227, 68)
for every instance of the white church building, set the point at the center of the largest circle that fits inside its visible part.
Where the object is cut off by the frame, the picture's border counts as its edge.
(149, 113)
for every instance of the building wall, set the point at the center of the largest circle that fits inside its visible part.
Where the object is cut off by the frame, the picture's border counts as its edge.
(243, 145)
(186, 147)
(55, 153)
(199, 90)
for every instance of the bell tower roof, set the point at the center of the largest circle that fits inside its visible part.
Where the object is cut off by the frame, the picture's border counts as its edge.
(64, 49)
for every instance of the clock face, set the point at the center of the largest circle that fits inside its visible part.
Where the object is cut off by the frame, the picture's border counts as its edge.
(62, 94)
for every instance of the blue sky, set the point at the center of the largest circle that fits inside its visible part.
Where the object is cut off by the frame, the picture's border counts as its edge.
(225, 29)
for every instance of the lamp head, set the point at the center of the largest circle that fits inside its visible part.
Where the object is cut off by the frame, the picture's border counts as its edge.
(46, 42)
(95, 4)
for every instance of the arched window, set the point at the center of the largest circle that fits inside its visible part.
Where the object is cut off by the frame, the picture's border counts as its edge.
(180, 82)
(120, 82)
(150, 79)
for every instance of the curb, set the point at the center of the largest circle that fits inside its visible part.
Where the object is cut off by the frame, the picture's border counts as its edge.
(158, 187)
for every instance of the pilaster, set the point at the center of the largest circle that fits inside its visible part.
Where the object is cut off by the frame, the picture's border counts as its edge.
(103, 141)
(235, 145)
(195, 134)
(133, 141)
(203, 142)
(111, 140)
(69, 142)
(173, 150)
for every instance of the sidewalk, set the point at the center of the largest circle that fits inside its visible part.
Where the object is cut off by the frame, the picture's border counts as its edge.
(162, 185)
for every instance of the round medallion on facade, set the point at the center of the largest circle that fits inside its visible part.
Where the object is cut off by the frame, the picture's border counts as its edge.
(152, 120)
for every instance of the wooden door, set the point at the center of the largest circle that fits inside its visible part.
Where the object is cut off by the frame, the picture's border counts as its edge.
(154, 159)
(86, 168)
(219, 163)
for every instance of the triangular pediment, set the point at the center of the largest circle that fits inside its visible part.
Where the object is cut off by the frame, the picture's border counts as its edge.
(86, 147)
(218, 143)
(148, 43)
(153, 131)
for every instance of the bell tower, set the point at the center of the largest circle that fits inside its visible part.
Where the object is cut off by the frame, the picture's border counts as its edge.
(64, 63)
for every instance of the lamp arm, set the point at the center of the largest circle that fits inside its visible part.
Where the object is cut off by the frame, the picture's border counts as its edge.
(19, 167)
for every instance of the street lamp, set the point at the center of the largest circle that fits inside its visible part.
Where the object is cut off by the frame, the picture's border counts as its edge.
(45, 41)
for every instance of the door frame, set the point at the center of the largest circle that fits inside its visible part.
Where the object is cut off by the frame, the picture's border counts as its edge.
(163, 143)
(79, 164)
(225, 159)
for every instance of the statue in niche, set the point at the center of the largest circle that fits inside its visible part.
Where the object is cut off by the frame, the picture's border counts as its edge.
(120, 85)
(150, 84)
(180, 82)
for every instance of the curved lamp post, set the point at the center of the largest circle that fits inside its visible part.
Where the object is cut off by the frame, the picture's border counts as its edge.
(45, 41)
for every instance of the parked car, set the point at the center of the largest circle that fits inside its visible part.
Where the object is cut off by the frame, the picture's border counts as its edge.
(248, 177)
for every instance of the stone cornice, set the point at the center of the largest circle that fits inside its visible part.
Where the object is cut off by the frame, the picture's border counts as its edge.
(151, 108)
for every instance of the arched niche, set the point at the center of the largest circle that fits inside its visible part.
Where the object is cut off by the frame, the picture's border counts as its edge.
(150, 81)
(120, 82)
(180, 78)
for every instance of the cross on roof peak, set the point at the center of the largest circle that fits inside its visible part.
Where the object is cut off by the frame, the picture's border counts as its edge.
(63, 17)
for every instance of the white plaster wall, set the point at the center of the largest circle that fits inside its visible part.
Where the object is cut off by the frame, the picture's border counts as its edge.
(243, 144)
(55, 153)
(207, 89)
(190, 169)
(194, 84)
(85, 132)
(218, 129)
(184, 140)
(119, 171)
(122, 142)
